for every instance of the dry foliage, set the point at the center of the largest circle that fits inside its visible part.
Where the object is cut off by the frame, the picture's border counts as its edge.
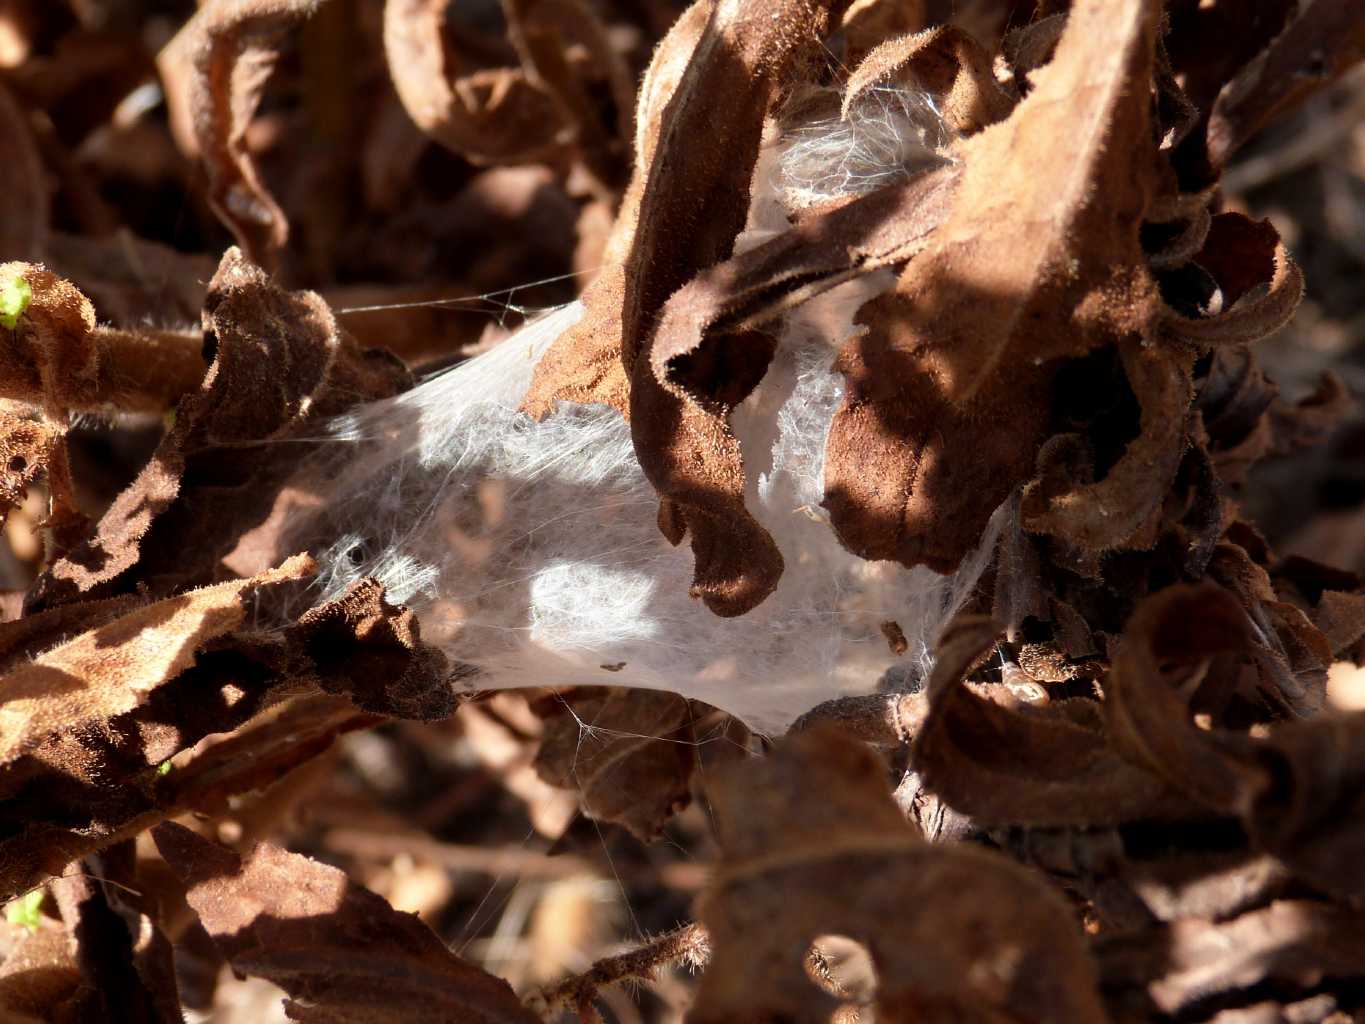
(1131, 785)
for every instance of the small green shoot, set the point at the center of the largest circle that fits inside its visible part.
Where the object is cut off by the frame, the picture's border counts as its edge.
(27, 910)
(15, 295)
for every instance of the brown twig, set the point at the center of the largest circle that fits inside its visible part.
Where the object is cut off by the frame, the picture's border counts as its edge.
(688, 944)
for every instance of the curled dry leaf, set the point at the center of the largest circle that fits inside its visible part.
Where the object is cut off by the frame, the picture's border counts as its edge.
(586, 364)
(342, 953)
(92, 716)
(867, 23)
(711, 80)
(1004, 764)
(949, 390)
(488, 116)
(1234, 396)
(628, 753)
(1340, 616)
(946, 63)
(276, 358)
(1208, 44)
(48, 352)
(706, 347)
(1311, 814)
(545, 33)
(709, 349)
(686, 449)
(1029, 47)
(814, 845)
(365, 648)
(111, 669)
(257, 755)
(1261, 285)
(214, 73)
(1297, 791)
(1167, 640)
(1097, 515)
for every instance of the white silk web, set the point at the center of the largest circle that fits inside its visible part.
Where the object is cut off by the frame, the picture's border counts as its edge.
(531, 551)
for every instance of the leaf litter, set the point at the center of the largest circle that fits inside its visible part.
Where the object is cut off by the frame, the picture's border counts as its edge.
(1015, 451)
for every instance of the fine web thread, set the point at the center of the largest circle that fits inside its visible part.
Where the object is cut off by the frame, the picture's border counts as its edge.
(891, 134)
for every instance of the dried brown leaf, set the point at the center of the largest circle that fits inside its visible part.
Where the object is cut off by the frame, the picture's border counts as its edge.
(880, 719)
(1261, 286)
(1234, 396)
(1209, 44)
(813, 845)
(867, 23)
(79, 686)
(709, 350)
(586, 364)
(700, 124)
(1030, 766)
(493, 115)
(342, 953)
(25, 448)
(1311, 812)
(1325, 39)
(628, 753)
(23, 639)
(50, 356)
(1291, 653)
(276, 358)
(258, 755)
(371, 651)
(1340, 616)
(949, 391)
(544, 33)
(56, 357)
(1104, 514)
(1297, 791)
(946, 63)
(83, 723)
(1167, 640)
(706, 347)
(1029, 47)
(694, 202)
(214, 72)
